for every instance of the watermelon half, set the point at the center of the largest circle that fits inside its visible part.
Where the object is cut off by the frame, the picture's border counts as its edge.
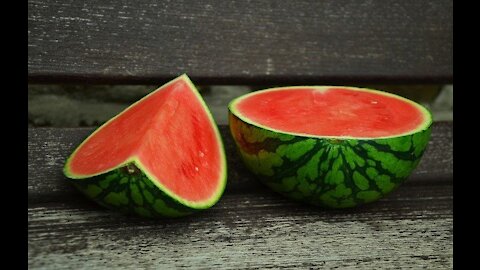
(162, 156)
(329, 146)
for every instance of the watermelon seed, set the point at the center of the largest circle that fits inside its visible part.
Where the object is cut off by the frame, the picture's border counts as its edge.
(131, 169)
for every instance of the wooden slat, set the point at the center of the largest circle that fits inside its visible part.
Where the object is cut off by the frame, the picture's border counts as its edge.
(250, 227)
(411, 228)
(48, 148)
(240, 42)
(244, 236)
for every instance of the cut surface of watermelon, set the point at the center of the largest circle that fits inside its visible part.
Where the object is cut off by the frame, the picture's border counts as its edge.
(331, 112)
(170, 136)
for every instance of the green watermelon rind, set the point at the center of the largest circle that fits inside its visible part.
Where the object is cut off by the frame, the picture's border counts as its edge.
(328, 171)
(131, 194)
(183, 206)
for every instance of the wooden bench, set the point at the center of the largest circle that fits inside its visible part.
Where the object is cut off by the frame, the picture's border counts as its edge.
(240, 42)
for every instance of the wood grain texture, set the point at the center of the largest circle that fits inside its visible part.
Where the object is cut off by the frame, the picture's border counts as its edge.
(48, 148)
(240, 42)
(250, 227)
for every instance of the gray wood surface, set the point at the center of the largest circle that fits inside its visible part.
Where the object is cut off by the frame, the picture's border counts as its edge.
(240, 42)
(250, 227)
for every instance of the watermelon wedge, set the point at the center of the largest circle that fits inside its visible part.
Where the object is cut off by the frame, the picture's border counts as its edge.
(329, 146)
(162, 156)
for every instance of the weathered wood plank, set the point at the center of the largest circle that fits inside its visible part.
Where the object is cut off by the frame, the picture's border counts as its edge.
(250, 227)
(409, 202)
(48, 149)
(242, 237)
(240, 42)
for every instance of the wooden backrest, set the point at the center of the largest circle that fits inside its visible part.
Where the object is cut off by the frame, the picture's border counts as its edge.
(240, 42)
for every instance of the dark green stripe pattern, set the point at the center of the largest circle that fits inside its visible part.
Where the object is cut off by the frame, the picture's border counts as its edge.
(130, 191)
(332, 173)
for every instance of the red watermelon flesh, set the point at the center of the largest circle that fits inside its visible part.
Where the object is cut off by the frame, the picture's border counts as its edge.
(171, 137)
(332, 111)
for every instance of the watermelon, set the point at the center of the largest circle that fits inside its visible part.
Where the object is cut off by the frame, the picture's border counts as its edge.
(160, 157)
(333, 147)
